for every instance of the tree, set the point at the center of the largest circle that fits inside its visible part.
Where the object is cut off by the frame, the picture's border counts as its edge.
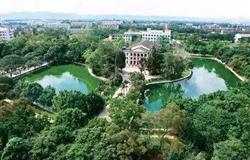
(120, 59)
(116, 80)
(91, 104)
(6, 84)
(212, 124)
(47, 142)
(124, 144)
(95, 104)
(231, 149)
(69, 99)
(173, 66)
(16, 148)
(72, 117)
(33, 91)
(171, 117)
(23, 122)
(155, 62)
(165, 46)
(125, 113)
(57, 53)
(11, 62)
(46, 96)
(102, 60)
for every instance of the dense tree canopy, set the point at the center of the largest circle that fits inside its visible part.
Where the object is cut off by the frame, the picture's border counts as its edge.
(155, 62)
(173, 67)
(90, 104)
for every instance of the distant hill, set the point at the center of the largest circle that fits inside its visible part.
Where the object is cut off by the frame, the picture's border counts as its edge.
(70, 16)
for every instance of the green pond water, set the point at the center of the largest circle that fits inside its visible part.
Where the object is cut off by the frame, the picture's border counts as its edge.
(208, 76)
(65, 77)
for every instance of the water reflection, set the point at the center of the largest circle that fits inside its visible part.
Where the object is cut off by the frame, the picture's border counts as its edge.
(208, 76)
(65, 81)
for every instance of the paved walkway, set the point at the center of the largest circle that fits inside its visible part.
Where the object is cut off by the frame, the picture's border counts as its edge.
(91, 72)
(131, 69)
(21, 71)
(121, 92)
(98, 77)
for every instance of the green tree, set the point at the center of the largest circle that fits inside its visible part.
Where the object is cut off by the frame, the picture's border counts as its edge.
(120, 59)
(47, 142)
(212, 123)
(46, 96)
(33, 91)
(231, 149)
(10, 63)
(173, 66)
(125, 113)
(155, 62)
(69, 99)
(57, 53)
(72, 117)
(102, 60)
(91, 104)
(6, 84)
(95, 104)
(16, 148)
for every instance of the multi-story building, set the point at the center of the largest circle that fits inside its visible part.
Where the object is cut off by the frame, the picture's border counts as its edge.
(6, 33)
(138, 52)
(115, 36)
(81, 24)
(148, 35)
(239, 36)
(110, 25)
(154, 35)
(65, 26)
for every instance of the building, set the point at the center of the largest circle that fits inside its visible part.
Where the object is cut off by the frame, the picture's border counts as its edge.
(81, 24)
(113, 37)
(110, 25)
(6, 33)
(239, 36)
(148, 35)
(154, 35)
(65, 26)
(136, 53)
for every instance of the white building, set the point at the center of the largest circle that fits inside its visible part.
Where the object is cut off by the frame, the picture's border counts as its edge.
(136, 53)
(154, 35)
(6, 33)
(57, 25)
(81, 24)
(110, 25)
(148, 35)
(239, 36)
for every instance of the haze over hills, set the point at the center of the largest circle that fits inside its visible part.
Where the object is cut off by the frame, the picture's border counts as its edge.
(63, 16)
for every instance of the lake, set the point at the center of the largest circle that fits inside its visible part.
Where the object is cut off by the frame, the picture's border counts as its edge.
(208, 76)
(65, 77)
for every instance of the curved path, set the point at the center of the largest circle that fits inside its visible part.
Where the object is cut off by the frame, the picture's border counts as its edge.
(91, 72)
(171, 81)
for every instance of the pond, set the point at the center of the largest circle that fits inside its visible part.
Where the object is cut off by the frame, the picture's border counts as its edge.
(208, 76)
(65, 77)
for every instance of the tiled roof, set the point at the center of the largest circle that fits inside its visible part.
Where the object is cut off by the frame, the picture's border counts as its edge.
(146, 44)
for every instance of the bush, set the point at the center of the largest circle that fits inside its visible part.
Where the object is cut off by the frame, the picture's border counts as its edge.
(116, 80)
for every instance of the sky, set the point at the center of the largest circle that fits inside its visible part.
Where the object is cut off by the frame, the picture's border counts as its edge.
(180, 8)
